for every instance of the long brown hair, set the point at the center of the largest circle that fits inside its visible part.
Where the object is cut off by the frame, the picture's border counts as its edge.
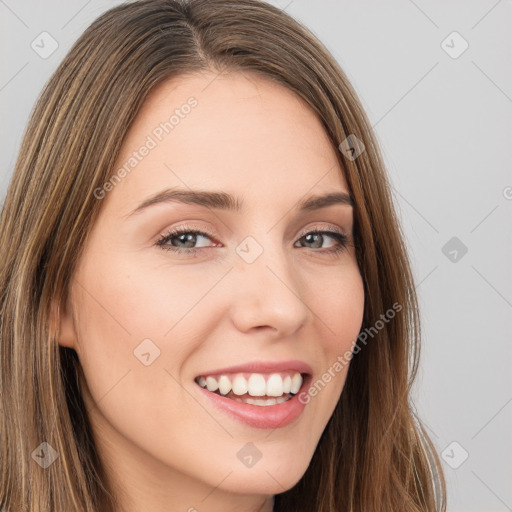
(374, 454)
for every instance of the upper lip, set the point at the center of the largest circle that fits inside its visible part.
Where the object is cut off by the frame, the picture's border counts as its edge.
(263, 367)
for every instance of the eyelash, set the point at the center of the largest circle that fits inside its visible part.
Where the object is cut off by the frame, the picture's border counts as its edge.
(340, 237)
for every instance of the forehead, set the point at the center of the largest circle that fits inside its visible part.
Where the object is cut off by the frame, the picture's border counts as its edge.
(235, 132)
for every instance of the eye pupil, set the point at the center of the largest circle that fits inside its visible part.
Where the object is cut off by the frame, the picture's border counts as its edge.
(314, 235)
(187, 238)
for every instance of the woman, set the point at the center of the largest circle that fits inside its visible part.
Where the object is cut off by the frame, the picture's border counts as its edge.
(247, 369)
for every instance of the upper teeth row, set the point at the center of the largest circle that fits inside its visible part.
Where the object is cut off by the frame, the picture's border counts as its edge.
(255, 385)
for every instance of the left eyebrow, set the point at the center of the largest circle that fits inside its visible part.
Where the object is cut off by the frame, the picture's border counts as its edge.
(223, 201)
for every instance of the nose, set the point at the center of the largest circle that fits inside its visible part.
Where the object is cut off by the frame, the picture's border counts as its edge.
(267, 294)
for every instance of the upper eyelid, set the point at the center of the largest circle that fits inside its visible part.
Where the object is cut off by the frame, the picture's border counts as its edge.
(186, 229)
(323, 229)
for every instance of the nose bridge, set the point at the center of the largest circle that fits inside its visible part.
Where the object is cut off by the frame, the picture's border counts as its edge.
(267, 288)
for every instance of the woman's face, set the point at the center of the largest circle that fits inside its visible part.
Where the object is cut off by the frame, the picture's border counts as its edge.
(149, 315)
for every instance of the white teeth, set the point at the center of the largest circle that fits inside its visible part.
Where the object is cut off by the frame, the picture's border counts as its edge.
(296, 383)
(256, 385)
(239, 385)
(212, 384)
(287, 384)
(224, 385)
(275, 385)
(263, 402)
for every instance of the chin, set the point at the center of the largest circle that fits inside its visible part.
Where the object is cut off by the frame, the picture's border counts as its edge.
(275, 477)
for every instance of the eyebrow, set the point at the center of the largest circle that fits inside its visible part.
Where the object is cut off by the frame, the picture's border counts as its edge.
(225, 201)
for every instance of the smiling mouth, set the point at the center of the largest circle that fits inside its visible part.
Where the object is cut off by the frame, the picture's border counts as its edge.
(261, 389)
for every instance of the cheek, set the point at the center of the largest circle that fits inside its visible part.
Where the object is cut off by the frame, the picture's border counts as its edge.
(339, 307)
(139, 302)
(125, 311)
(129, 362)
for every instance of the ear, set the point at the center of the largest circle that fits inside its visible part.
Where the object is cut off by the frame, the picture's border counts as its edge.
(62, 325)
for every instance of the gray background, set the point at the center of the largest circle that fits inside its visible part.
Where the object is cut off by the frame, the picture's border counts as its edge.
(445, 128)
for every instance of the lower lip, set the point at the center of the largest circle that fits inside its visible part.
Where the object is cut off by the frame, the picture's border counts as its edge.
(256, 416)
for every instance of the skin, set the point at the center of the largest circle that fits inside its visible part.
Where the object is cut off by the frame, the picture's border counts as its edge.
(165, 446)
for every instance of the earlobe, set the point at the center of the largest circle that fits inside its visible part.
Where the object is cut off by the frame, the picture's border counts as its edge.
(61, 325)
